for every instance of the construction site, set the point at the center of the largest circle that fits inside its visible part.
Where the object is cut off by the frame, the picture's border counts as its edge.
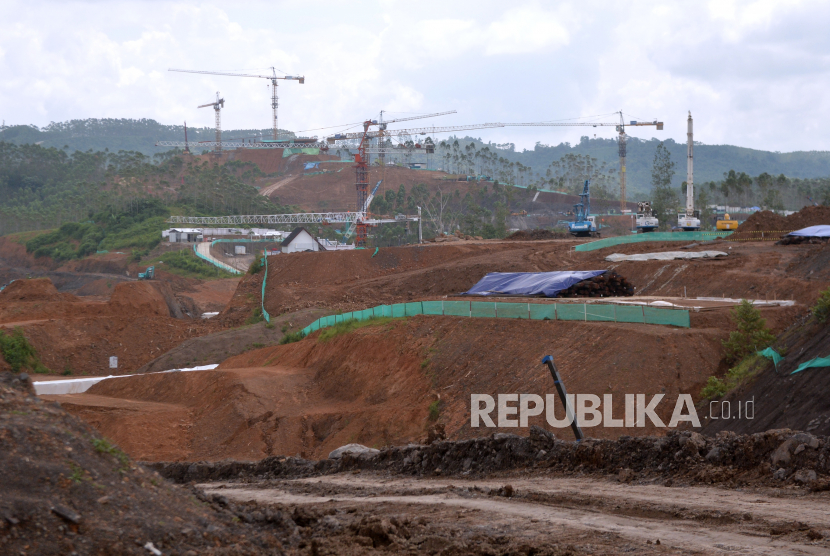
(582, 384)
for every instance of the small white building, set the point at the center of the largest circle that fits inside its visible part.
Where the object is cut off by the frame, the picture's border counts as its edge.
(301, 240)
(175, 235)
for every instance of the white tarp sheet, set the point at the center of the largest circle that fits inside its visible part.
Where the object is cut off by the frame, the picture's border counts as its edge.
(665, 256)
(81, 385)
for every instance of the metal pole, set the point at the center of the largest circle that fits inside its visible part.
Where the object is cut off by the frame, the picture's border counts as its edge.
(563, 395)
(420, 232)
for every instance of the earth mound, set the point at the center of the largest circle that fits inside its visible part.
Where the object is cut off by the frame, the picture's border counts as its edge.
(140, 298)
(68, 490)
(35, 289)
(768, 221)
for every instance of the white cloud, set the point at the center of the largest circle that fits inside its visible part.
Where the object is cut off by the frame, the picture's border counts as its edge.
(754, 73)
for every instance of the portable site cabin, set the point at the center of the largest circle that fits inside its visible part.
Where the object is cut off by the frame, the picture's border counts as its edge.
(175, 235)
(300, 240)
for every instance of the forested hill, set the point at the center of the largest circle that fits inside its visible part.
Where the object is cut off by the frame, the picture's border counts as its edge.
(118, 135)
(711, 161)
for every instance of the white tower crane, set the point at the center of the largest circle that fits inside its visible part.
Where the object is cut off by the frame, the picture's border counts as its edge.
(217, 107)
(690, 221)
(273, 78)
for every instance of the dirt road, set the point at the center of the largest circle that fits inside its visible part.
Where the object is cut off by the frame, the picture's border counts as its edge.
(592, 514)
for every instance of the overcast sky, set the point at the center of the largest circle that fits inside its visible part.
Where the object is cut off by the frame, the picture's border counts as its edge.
(754, 74)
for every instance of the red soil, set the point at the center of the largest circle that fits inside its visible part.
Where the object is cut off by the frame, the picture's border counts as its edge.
(375, 386)
(72, 334)
(350, 280)
(769, 221)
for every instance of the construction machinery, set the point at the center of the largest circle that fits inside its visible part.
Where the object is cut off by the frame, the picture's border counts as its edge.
(148, 274)
(273, 78)
(646, 219)
(584, 225)
(726, 223)
(690, 220)
(217, 107)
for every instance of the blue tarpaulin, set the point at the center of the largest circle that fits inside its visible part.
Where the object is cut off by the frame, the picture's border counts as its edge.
(546, 284)
(812, 231)
(310, 165)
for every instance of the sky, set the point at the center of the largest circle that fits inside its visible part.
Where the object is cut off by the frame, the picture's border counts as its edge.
(753, 73)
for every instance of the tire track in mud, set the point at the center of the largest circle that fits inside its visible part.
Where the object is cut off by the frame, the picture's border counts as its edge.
(700, 519)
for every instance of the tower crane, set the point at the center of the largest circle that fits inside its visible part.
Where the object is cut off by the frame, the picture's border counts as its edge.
(620, 127)
(273, 78)
(217, 107)
(362, 157)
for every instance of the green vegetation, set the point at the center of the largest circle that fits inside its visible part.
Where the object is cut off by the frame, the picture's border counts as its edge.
(435, 410)
(121, 199)
(77, 472)
(19, 353)
(256, 316)
(104, 446)
(292, 337)
(256, 266)
(752, 334)
(821, 310)
(736, 376)
(348, 326)
(789, 177)
(185, 263)
(664, 198)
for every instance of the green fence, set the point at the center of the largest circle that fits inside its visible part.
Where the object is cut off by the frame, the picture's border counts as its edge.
(265, 314)
(587, 312)
(650, 236)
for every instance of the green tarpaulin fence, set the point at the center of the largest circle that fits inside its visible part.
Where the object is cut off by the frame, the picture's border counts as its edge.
(593, 312)
(650, 236)
(770, 353)
(817, 362)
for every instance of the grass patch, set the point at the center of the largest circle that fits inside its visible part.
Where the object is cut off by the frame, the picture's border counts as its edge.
(102, 445)
(185, 263)
(351, 325)
(256, 316)
(821, 310)
(256, 266)
(736, 376)
(19, 353)
(435, 410)
(292, 337)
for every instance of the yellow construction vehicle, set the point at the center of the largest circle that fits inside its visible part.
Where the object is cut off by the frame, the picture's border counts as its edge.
(726, 223)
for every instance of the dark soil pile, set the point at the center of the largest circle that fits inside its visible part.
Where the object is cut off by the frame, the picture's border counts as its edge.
(609, 284)
(809, 216)
(764, 221)
(768, 221)
(772, 457)
(67, 490)
(537, 234)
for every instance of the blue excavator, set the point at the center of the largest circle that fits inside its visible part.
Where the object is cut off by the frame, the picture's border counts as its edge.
(584, 225)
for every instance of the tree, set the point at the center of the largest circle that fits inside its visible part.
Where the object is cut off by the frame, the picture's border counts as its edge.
(752, 333)
(664, 198)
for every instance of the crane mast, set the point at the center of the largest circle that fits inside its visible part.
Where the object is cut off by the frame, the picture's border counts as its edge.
(690, 183)
(272, 78)
(690, 221)
(217, 107)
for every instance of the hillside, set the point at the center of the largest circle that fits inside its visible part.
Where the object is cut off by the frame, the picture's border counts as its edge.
(711, 161)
